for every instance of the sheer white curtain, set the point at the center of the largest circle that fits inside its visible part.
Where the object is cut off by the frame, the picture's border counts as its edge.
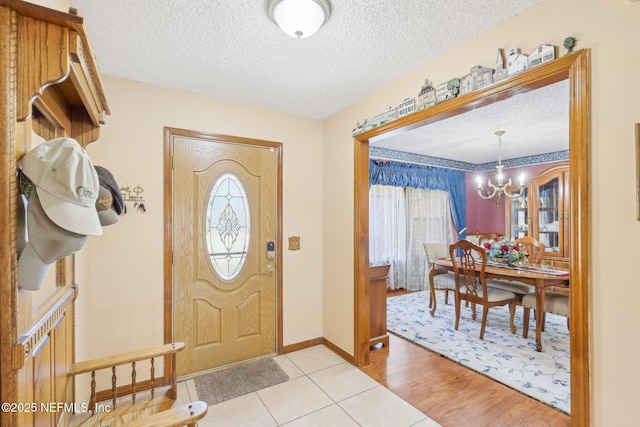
(430, 213)
(400, 221)
(387, 231)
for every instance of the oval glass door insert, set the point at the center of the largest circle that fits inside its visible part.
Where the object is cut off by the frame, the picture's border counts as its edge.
(227, 226)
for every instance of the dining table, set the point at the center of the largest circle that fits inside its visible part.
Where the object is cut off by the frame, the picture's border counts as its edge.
(544, 278)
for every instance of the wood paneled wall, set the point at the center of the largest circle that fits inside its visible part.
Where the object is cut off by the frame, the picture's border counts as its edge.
(50, 86)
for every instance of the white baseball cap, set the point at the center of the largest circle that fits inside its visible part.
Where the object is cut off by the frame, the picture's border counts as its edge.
(67, 184)
(47, 243)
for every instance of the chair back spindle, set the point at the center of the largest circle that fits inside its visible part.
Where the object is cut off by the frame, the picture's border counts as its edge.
(133, 381)
(114, 382)
(152, 373)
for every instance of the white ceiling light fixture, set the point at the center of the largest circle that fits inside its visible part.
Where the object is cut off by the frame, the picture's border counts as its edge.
(299, 18)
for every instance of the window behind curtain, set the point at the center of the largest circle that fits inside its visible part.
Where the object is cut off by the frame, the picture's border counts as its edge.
(400, 221)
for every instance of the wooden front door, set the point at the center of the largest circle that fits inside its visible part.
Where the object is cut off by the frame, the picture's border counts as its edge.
(224, 231)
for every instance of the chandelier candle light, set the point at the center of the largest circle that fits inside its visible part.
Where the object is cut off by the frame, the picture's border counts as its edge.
(500, 189)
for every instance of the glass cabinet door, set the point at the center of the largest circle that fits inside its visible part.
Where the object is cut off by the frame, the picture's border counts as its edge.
(542, 212)
(519, 215)
(549, 201)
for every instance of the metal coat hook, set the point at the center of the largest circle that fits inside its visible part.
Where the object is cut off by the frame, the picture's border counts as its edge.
(134, 195)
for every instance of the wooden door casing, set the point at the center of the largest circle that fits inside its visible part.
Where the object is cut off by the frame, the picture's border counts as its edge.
(223, 321)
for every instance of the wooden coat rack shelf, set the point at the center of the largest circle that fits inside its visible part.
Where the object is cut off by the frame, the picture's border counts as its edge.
(51, 87)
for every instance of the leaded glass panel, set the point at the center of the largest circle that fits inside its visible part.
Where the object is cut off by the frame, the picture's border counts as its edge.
(228, 226)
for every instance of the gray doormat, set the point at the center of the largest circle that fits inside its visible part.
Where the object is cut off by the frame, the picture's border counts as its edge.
(235, 381)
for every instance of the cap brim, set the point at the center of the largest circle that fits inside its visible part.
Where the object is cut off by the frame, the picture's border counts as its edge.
(108, 217)
(32, 271)
(74, 218)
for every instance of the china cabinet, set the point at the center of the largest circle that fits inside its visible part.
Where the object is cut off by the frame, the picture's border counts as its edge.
(542, 212)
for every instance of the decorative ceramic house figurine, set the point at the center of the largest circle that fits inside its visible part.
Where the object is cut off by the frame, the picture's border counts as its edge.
(378, 120)
(516, 62)
(366, 125)
(501, 70)
(477, 78)
(543, 53)
(448, 90)
(357, 130)
(391, 113)
(427, 96)
(406, 107)
(388, 115)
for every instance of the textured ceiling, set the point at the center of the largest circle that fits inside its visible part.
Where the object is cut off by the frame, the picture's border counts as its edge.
(534, 122)
(230, 49)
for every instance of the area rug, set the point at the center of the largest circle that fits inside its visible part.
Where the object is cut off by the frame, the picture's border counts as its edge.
(506, 357)
(238, 380)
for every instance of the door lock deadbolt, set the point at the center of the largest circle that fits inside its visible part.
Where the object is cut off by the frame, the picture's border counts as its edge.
(271, 250)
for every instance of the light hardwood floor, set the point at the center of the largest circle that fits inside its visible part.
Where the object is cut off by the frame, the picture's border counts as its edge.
(453, 395)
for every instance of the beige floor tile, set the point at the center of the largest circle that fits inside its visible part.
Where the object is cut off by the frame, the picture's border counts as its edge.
(313, 359)
(318, 379)
(330, 416)
(183, 393)
(293, 399)
(288, 367)
(380, 407)
(191, 386)
(427, 422)
(343, 381)
(243, 411)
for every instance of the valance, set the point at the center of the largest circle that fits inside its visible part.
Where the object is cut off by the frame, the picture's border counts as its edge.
(427, 177)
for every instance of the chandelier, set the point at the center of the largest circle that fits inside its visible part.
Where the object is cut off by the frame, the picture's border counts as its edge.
(496, 192)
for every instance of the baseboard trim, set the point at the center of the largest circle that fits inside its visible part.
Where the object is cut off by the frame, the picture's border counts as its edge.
(317, 341)
(340, 352)
(301, 345)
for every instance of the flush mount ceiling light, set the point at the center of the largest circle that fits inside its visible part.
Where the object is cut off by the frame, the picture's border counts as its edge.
(299, 18)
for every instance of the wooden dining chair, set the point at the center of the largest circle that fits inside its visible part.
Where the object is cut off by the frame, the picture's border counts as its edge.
(484, 236)
(471, 284)
(554, 302)
(533, 247)
(438, 279)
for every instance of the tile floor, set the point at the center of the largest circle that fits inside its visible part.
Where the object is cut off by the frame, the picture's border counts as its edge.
(323, 390)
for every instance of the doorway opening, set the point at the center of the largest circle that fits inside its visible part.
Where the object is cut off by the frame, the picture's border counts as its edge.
(573, 67)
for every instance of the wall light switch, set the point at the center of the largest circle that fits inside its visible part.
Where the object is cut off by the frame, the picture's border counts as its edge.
(294, 243)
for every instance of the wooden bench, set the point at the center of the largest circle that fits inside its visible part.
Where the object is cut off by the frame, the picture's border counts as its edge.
(151, 402)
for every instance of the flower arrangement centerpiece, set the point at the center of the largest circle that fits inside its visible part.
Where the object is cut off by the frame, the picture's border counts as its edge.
(505, 251)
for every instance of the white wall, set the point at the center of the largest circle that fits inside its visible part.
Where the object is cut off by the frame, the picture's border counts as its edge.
(610, 28)
(121, 307)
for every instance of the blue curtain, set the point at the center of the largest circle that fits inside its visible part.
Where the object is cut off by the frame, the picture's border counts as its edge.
(427, 177)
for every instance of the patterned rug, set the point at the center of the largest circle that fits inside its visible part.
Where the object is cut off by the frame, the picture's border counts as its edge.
(506, 357)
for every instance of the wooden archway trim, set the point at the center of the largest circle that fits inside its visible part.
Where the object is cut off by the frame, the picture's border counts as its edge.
(576, 68)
